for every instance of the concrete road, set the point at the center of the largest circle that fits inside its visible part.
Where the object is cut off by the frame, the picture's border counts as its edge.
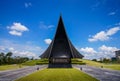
(11, 75)
(99, 73)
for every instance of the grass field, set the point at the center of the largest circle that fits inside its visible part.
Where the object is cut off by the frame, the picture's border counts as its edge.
(92, 63)
(112, 66)
(82, 61)
(58, 75)
(10, 67)
(97, 64)
(30, 63)
(36, 62)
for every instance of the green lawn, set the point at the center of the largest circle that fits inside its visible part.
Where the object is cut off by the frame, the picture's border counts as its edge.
(10, 67)
(92, 63)
(30, 63)
(97, 64)
(112, 66)
(58, 75)
(36, 62)
(76, 61)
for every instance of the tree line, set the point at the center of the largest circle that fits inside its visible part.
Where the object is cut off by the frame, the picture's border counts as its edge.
(8, 59)
(108, 60)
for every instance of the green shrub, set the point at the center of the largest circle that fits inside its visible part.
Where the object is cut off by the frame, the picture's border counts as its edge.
(76, 61)
(41, 63)
(36, 62)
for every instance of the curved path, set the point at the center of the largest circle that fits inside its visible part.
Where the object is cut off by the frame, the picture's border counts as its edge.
(11, 75)
(99, 73)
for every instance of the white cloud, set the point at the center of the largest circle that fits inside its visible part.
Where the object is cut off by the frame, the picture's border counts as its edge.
(25, 50)
(44, 26)
(17, 29)
(11, 49)
(47, 41)
(112, 13)
(25, 54)
(13, 32)
(88, 50)
(104, 35)
(112, 31)
(28, 5)
(2, 48)
(102, 52)
(107, 49)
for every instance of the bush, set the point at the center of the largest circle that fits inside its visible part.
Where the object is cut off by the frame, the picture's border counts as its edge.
(41, 63)
(76, 61)
(36, 62)
(80, 63)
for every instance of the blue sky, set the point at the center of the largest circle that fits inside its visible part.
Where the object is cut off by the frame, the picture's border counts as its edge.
(28, 26)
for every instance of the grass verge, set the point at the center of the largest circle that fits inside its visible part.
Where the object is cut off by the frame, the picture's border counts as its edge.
(36, 62)
(10, 67)
(97, 64)
(58, 75)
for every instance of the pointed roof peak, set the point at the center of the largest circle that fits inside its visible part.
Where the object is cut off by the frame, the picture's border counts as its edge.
(60, 14)
(60, 17)
(61, 45)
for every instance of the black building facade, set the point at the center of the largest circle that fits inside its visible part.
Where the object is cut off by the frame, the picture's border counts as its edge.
(117, 54)
(61, 50)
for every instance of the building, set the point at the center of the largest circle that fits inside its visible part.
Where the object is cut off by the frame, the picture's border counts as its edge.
(117, 53)
(61, 50)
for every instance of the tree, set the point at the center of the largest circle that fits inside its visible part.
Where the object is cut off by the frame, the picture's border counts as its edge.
(94, 59)
(8, 57)
(32, 58)
(2, 58)
(105, 60)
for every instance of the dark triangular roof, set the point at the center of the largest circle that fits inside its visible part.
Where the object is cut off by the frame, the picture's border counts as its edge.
(61, 47)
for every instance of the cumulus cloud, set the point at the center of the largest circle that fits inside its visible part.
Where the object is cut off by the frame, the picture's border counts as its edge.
(25, 50)
(13, 32)
(2, 48)
(107, 48)
(28, 5)
(102, 52)
(104, 35)
(45, 26)
(107, 51)
(11, 49)
(25, 53)
(47, 41)
(17, 29)
(88, 50)
(112, 13)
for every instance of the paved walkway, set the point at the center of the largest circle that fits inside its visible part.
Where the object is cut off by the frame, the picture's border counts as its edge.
(100, 74)
(11, 75)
